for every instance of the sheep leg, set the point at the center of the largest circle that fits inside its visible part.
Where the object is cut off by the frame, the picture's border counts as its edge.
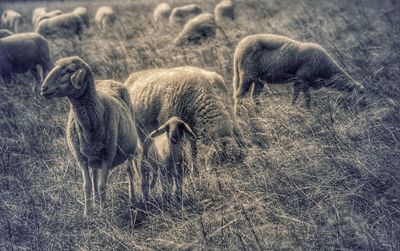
(103, 173)
(166, 185)
(95, 186)
(87, 187)
(296, 92)
(307, 97)
(131, 177)
(179, 183)
(145, 182)
(38, 76)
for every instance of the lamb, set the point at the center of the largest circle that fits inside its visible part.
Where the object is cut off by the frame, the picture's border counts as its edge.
(224, 10)
(11, 20)
(164, 150)
(38, 12)
(105, 18)
(83, 13)
(196, 96)
(162, 12)
(43, 16)
(64, 24)
(101, 131)
(5, 33)
(179, 15)
(197, 29)
(24, 52)
(278, 59)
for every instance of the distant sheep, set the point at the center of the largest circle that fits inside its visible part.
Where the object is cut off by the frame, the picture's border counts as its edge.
(5, 33)
(164, 151)
(24, 52)
(38, 12)
(162, 12)
(196, 29)
(101, 131)
(266, 58)
(224, 10)
(196, 96)
(43, 16)
(179, 15)
(64, 24)
(11, 20)
(82, 12)
(105, 18)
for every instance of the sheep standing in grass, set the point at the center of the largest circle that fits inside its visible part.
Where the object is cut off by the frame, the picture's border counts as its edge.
(64, 24)
(38, 12)
(164, 151)
(105, 18)
(83, 13)
(101, 131)
(278, 59)
(5, 33)
(11, 20)
(162, 12)
(197, 97)
(224, 10)
(179, 15)
(43, 16)
(197, 29)
(24, 52)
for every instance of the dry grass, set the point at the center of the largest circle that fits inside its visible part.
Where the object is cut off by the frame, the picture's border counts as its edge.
(329, 178)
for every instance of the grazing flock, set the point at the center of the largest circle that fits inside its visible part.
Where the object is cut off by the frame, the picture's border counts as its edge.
(158, 118)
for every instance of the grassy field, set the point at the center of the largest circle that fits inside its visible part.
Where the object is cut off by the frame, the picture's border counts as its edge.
(329, 179)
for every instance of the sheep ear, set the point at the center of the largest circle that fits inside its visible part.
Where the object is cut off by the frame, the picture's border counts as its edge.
(77, 78)
(188, 130)
(157, 132)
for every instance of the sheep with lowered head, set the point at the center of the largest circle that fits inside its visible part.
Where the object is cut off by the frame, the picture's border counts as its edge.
(101, 131)
(24, 52)
(162, 12)
(224, 10)
(196, 96)
(44, 16)
(267, 58)
(179, 15)
(105, 18)
(83, 13)
(11, 20)
(165, 151)
(5, 33)
(197, 29)
(64, 24)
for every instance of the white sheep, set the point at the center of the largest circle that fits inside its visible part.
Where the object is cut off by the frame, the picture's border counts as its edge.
(179, 15)
(42, 16)
(224, 10)
(11, 20)
(64, 24)
(164, 151)
(5, 33)
(24, 52)
(83, 13)
(38, 12)
(105, 18)
(197, 29)
(162, 12)
(266, 58)
(101, 131)
(198, 97)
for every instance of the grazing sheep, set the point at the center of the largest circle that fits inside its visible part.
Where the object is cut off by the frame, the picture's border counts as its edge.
(179, 15)
(24, 52)
(11, 20)
(5, 33)
(196, 96)
(197, 29)
(224, 10)
(164, 151)
(278, 59)
(64, 24)
(44, 16)
(162, 12)
(83, 13)
(101, 132)
(38, 12)
(105, 18)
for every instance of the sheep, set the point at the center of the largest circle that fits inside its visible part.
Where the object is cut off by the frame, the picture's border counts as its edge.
(224, 10)
(83, 13)
(196, 29)
(162, 12)
(196, 96)
(38, 12)
(5, 33)
(101, 132)
(43, 16)
(278, 59)
(24, 52)
(179, 15)
(11, 20)
(164, 150)
(105, 17)
(64, 24)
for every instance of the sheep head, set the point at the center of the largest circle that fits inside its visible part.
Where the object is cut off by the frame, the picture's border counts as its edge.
(175, 129)
(66, 78)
